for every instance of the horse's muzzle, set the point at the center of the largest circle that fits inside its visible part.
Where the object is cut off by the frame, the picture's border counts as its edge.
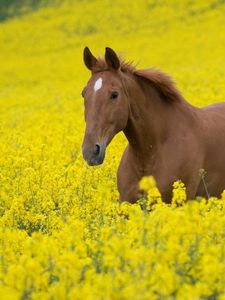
(94, 155)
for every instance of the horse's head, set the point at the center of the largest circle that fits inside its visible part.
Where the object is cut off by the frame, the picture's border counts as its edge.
(106, 105)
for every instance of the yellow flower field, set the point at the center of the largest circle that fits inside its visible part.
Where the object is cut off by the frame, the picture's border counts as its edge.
(62, 235)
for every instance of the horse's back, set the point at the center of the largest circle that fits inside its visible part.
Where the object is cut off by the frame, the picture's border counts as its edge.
(216, 107)
(213, 117)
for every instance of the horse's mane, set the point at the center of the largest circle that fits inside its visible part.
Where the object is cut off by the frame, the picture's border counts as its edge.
(161, 81)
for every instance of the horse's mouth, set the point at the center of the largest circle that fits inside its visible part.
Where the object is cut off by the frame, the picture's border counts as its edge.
(94, 161)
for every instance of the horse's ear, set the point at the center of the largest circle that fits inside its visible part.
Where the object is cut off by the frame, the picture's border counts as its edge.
(112, 59)
(89, 59)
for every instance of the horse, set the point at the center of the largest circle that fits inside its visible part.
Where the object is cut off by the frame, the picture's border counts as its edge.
(168, 138)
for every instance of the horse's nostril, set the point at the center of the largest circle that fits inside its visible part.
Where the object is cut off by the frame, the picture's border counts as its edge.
(97, 149)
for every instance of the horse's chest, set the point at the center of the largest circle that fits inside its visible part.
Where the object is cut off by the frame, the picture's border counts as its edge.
(147, 165)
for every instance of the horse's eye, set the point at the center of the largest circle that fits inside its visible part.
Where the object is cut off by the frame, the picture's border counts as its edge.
(114, 95)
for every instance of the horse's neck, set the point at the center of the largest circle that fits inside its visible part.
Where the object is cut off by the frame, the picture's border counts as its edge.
(150, 118)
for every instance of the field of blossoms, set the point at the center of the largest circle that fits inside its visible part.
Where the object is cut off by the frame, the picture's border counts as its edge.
(62, 233)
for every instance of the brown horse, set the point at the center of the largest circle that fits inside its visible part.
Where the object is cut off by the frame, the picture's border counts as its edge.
(168, 137)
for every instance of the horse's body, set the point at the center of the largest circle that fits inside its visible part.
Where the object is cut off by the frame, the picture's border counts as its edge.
(168, 137)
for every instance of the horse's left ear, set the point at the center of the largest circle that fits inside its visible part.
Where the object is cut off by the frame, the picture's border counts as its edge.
(89, 59)
(112, 59)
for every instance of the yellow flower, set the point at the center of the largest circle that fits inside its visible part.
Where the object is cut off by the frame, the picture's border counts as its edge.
(62, 233)
(179, 193)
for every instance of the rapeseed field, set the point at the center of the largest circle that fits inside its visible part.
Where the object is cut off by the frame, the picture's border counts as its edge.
(62, 233)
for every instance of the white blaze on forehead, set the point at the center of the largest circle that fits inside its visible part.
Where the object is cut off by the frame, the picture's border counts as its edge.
(98, 84)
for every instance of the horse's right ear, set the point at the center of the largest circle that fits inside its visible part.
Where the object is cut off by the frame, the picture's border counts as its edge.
(112, 59)
(89, 59)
